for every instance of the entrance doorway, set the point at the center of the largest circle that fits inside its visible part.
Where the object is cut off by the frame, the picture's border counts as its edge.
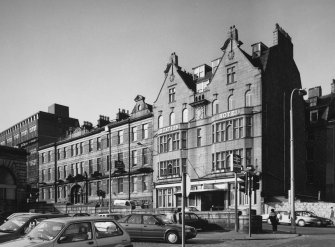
(77, 195)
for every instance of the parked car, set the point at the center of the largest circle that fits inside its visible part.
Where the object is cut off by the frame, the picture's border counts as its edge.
(20, 225)
(114, 216)
(4, 215)
(188, 209)
(321, 220)
(191, 219)
(81, 214)
(155, 226)
(303, 218)
(75, 231)
(216, 208)
(19, 214)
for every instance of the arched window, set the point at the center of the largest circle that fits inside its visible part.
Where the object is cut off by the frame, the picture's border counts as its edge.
(160, 121)
(215, 107)
(169, 169)
(231, 103)
(169, 144)
(185, 115)
(172, 118)
(248, 98)
(229, 131)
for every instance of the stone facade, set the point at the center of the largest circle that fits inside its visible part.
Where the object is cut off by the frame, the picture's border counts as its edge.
(73, 170)
(239, 105)
(13, 179)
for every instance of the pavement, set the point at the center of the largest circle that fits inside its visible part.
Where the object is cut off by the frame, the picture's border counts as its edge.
(232, 235)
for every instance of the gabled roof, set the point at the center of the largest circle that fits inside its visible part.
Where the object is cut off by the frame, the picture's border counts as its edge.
(188, 79)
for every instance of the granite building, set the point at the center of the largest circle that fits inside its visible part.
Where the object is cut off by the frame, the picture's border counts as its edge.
(237, 105)
(76, 169)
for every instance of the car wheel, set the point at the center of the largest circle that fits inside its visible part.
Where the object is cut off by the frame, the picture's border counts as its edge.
(301, 223)
(172, 237)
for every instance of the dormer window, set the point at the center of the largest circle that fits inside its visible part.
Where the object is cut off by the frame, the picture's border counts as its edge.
(199, 72)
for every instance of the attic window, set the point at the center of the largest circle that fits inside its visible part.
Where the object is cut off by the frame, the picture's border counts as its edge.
(199, 72)
(139, 107)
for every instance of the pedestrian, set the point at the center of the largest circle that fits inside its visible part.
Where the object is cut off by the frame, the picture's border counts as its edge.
(274, 220)
(332, 214)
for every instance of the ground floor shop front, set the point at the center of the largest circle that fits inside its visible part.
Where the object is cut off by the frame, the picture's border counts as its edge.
(205, 195)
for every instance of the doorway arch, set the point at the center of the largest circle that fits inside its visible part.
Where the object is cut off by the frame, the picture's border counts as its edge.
(77, 195)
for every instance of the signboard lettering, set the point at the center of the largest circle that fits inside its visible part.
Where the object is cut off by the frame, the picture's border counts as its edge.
(229, 114)
(167, 129)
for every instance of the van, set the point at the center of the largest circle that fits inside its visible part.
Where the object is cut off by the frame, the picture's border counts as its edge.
(125, 203)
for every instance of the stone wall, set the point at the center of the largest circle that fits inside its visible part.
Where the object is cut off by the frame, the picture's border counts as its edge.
(319, 208)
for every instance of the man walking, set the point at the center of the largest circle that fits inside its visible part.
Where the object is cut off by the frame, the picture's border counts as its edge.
(274, 220)
(332, 214)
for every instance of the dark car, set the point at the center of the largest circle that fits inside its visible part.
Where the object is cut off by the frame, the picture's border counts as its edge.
(191, 219)
(155, 226)
(20, 225)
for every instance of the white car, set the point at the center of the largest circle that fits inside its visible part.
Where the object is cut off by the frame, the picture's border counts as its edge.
(73, 232)
(303, 218)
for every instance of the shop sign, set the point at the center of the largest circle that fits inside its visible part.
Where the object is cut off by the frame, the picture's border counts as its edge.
(167, 129)
(229, 114)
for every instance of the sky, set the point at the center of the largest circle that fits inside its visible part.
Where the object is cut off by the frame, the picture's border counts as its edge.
(97, 56)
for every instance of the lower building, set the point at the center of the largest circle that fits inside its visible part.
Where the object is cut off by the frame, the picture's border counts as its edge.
(93, 165)
(13, 179)
(320, 116)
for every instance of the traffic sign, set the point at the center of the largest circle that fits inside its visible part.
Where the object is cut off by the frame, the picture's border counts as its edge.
(188, 185)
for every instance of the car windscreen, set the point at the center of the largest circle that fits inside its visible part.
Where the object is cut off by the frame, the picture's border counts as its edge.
(46, 230)
(163, 219)
(13, 224)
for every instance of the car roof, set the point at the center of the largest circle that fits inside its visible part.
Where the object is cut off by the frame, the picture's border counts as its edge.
(38, 215)
(109, 214)
(76, 219)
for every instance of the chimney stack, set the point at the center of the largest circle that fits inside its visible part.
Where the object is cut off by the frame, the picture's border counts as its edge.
(121, 115)
(174, 59)
(333, 86)
(283, 40)
(314, 92)
(103, 120)
(233, 33)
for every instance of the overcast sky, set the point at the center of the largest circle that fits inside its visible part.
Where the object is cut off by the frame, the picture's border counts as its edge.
(96, 56)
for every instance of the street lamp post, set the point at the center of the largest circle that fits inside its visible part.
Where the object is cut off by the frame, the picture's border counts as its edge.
(301, 92)
(110, 168)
